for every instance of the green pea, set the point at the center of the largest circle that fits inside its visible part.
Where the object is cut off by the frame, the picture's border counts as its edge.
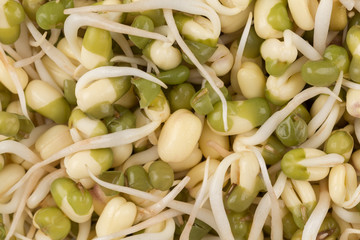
(144, 23)
(156, 15)
(273, 150)
(14, 16)
(329, 229)
(275, 67)
(9, 124)
(290, 167)
(161, 175)
(52, 222)
(69, 91)
(321, 73)
(253, 43)
(99, 42)
(292, 131)
(14, 12)
(138, 178)
(51, 15)
(181, 19)
(9, 35)
(340, 142)
(5, 96)
(204, 99)
(302, 112)
(278, 17)
(289, 226)
(239, 199)
(180, 96)
(26, 126)
(72, 197)
(146, 90)
(354, 69)
(201, 102)
(301, 213)
(114, 177)
(338, 56)
(353, 38)
(242, 115)
(31, 7)
(240, 224)
(122, 119)
(100, 110)
(198, 230)
(201, 51)
(67, 3)
(175, 76)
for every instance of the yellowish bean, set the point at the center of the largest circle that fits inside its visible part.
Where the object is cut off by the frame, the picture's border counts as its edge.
(118, 214)
(251, 80)
(6, 79)
(10, 175)
(179, 136)
(53, 140)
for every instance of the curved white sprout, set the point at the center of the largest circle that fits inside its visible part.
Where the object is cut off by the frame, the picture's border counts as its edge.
(271, 124)
(264, 206)
(54, 54)
(322, 23)
(43, 188)
(188, 6)
(216, 197)
(76, 21)
(16, 81)
(204, 215)
(316, 218)
(140, 226)
(347, 232)
(319, 118)
(324, 131)
(199, 199)
(303, 46)
(276, 222)
(141, 158)
(110, 71)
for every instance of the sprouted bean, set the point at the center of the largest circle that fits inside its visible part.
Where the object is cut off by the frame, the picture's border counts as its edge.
(163, 119)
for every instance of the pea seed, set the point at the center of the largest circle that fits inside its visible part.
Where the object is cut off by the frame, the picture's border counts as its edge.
(53, 222)
(338, 56)
(320, 73)
(122, 119)
(354, 69)
(138, 178)
(161, 175)
(278, 17)
(69, 91)
(50, 15)
(145, 23)
(292, 131)
(340, 142)
(180, 96)
(240, 224)
(175, 76)
(146, 90)
(253, 43)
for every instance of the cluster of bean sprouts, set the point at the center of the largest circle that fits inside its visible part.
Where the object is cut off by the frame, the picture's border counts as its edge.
(191, 119)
